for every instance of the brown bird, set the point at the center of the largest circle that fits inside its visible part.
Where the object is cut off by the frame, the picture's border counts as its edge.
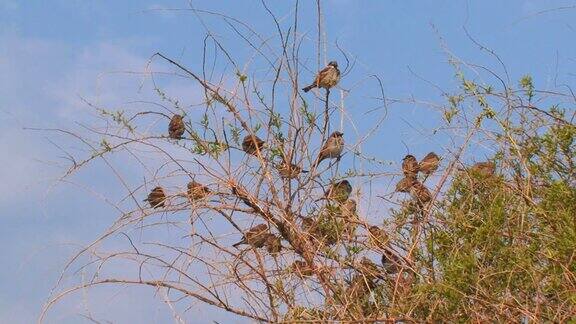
(378, 237)
(405, 184)
(391, 262)
(327, 78)
(256, 236)
(484, 169)
(360, 286)
(252, 144)
(156, 197)
(242, 194)
(197, 190)
(420, 193)
(273, 244)
(289, 170)
(369, 269)
(410, 166)
(339, 191)
(348, 209)
(176, 127)
(429, 163)
(301, 269)
(332, 149)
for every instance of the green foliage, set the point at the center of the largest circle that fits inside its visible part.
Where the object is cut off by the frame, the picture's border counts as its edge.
(509, 239)
(528, 86)
(119, 118)
(309, 116)
(449, 114)
(303, 314)
(330, 226)
(105, 145)
(167, 98)
(241, 77)
(235, 134)
(494, 248)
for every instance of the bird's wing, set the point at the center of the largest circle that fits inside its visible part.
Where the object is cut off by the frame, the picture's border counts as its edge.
(324, 150)
(321, 75)
(172, 124)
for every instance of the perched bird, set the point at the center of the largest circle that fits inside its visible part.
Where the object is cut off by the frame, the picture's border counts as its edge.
(256, 236)
(332, 148)
(378, 237)
(156, 197)
(301, 269)
(327, 78)
(391, 262)
(289, 170)
(242, 194)
(485, 169)
(252, 144)
(348, 209)
(197, 190)
(420, 193)
(405, 184)
(410, 166)
(273, 244)
(369, 269)
(339, 191)
(359, 287)
(429, 163)
(176, 127)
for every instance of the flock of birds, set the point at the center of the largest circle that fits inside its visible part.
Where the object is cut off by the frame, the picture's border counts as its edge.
(260, 236)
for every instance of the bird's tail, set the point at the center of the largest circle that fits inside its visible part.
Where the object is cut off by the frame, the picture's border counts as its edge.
(304, 171)
(308, 88)
(315, 165)
(238, 244)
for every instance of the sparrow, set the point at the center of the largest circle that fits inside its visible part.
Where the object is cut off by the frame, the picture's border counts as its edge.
(242, 194)
(369, 269)
(485, 169)
(410, 166)
(256, 236)
(429, 163)
(348, 209)
(301, 269)
(405, 184)
(197, 190)
(327, 78)
(391, 262)
(378, 237)
(339, 191)
(176, 127)
(332, 148)
(420, 193)
(289, 170)
(359, 287)
(156, 197)
(252, 144)
(273, 244)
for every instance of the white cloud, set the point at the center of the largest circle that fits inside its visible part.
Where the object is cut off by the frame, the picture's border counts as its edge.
(40, 84)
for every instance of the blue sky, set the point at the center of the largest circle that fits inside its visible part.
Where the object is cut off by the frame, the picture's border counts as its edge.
(54, 52)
